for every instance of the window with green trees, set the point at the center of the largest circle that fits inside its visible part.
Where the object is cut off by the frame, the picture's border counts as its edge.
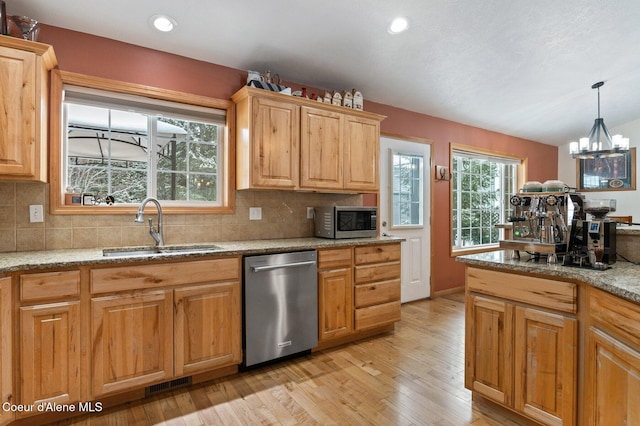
(480, 190)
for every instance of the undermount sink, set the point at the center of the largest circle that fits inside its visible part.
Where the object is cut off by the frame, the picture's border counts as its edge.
(150, 251)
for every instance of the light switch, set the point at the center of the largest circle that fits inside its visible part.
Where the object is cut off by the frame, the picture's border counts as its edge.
(36, 213)
(255, 213)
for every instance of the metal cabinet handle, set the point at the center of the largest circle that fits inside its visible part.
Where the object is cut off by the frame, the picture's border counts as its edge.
(284, 265)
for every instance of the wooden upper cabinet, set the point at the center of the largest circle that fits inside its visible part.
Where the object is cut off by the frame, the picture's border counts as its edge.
(321, 149)
(285, 142)
(24, 67)
(268, 143)
(361, 153)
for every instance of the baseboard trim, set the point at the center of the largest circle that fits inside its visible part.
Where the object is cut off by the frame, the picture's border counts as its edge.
(448, 291)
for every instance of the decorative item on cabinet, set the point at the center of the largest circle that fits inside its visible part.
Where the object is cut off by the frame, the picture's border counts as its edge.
(4, 30)
(358, 100)
(347, 99)
(336, 99)
(23, 27)
(267, 82)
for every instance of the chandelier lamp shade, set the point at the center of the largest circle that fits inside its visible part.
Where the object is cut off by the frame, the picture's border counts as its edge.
(599, 143)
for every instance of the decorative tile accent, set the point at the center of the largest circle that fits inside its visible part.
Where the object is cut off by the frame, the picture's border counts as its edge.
(283, 212)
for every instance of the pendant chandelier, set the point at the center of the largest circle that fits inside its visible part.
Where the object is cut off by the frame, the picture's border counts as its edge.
(599, 143)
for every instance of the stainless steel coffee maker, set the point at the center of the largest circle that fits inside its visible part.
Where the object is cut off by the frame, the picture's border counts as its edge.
(592, 243)
(541, 223)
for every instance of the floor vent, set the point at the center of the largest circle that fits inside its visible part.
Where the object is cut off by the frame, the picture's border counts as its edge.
(167, 386)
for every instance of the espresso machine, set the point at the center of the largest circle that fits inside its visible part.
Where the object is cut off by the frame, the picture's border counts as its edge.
(541, 223)
(592, 243)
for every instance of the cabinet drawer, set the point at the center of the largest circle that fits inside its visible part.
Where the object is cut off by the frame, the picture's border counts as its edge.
(377, 315)
(165, 274)
(377, 272)
(49, 285)
(558, 295)
(334, 258)
(377, 293)
(615, 314)
(377, 254)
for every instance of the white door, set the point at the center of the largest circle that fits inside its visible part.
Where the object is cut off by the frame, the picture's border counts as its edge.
(405, 208)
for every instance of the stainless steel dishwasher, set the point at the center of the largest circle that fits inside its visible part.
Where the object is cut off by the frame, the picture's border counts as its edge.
(280, 305)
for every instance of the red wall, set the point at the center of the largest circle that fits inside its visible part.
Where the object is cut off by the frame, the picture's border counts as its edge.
(543, 165)
(87, 54)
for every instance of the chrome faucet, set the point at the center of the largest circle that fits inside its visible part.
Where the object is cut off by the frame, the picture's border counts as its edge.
(155, 233)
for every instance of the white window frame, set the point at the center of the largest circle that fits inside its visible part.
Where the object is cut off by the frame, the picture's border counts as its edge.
(460, 151)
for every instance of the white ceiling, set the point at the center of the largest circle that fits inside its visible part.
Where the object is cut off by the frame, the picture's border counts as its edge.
(519, 67)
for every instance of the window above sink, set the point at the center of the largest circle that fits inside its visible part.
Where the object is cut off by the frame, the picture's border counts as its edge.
(118, 143)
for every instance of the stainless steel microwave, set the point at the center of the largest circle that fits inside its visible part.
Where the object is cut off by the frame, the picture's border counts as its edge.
(346, 222)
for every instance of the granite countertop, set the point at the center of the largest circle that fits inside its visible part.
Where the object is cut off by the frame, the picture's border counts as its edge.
(29, 260)
(622, 279)
(628, 229)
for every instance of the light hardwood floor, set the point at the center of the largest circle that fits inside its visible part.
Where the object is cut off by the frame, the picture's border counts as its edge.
(413, 376)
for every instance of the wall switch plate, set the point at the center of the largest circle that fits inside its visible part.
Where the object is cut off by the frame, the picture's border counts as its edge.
(255, 213)
(310, 212)
(36, 213)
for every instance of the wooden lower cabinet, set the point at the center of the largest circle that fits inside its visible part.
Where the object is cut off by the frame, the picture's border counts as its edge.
(613, 389)
(50, 353)
(377, 285)
(132, 340)
(190, 323)
(6, 347)
(489, 348)
(358, 291)
(545, 365)
(335, 293)
(522, 356)
(207, 327)
(612, 362)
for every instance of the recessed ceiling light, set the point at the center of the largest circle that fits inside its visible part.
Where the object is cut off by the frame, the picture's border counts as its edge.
(163, 23)
(398, 25)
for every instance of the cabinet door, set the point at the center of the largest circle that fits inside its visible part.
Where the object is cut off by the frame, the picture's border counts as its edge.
(275, 139)
(18, 112)
(207, 327)
(612, 385)
(132, 340)
(50, 353)
(6, 346)
(489, 343)
(545, 366)
(335, 303)
(321, 135)
(361, 151)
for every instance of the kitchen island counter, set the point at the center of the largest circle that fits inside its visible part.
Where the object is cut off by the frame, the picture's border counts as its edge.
(622, 279)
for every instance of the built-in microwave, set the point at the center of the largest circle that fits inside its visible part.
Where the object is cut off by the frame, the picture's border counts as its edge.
(346, 222)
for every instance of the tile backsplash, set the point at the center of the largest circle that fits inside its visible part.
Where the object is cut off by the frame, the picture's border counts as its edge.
(283, 216)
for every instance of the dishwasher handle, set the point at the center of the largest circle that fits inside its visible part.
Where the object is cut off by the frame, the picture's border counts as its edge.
(281, 265)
